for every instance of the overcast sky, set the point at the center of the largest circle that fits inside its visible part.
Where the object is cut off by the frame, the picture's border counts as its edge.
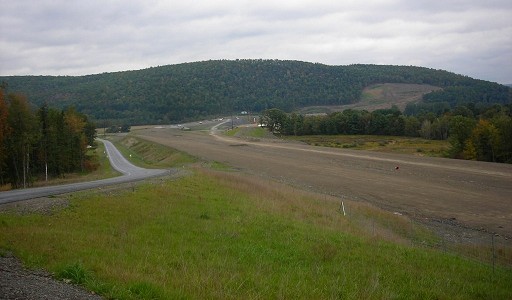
(78, 37)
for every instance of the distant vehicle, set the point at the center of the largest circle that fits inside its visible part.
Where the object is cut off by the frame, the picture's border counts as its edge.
(200, 122)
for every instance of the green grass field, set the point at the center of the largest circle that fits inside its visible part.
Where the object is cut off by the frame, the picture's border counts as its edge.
(393, 144)
(227, 235)
(221, 235)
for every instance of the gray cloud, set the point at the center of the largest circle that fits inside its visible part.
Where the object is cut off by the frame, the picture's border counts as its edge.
(61, 37)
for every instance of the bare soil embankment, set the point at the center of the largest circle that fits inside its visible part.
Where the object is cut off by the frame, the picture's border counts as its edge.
(381, 96)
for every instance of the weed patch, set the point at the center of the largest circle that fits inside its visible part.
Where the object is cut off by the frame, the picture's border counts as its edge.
(215, 165)
(144, 290)
(75, 273)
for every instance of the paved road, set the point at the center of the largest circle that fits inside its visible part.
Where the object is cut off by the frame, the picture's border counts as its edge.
(476, 194)
(130, 173)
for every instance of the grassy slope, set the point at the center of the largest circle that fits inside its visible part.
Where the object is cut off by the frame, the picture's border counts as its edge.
(226, 235)
(149, 155)
(208, 236)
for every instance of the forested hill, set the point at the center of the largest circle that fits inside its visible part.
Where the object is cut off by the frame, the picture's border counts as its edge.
(180, 92)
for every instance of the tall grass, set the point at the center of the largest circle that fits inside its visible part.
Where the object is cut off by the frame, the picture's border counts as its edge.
(228, 236)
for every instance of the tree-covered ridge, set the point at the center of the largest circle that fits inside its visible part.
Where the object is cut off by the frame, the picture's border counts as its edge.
(200, 89)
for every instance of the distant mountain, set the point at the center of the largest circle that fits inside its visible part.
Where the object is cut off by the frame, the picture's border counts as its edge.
(187, 91)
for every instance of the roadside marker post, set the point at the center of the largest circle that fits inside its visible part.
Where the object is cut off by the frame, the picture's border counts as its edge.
(342, 207)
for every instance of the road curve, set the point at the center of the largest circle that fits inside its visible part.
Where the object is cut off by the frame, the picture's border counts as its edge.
(130, 173)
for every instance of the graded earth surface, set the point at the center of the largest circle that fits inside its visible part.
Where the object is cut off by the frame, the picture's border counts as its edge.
(466, 194)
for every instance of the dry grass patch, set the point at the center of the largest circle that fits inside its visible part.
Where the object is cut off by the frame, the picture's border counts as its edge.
(392, 144)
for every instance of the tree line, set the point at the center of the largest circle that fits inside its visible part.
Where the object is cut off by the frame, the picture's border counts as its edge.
(41, 143)
(182, 92)
(476, 134)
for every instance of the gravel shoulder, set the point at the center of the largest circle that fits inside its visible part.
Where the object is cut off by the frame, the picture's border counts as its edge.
(17, 282)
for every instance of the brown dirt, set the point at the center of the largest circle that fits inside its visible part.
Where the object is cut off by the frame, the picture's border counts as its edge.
(464, 194)
(382, 96)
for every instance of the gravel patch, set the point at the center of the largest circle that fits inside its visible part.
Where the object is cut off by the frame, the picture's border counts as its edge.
(17, 282)
(43, 205)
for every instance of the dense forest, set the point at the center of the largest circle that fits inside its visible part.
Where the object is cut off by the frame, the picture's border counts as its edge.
(42, 143)
(483, 133)
(177, 93)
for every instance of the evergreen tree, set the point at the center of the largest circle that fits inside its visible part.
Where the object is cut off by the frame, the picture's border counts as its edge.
(20, 142)
(5, 131)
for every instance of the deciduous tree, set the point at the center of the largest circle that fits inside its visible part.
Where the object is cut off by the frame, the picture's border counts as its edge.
(460, 131)
(274, 119)
(486, 139)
